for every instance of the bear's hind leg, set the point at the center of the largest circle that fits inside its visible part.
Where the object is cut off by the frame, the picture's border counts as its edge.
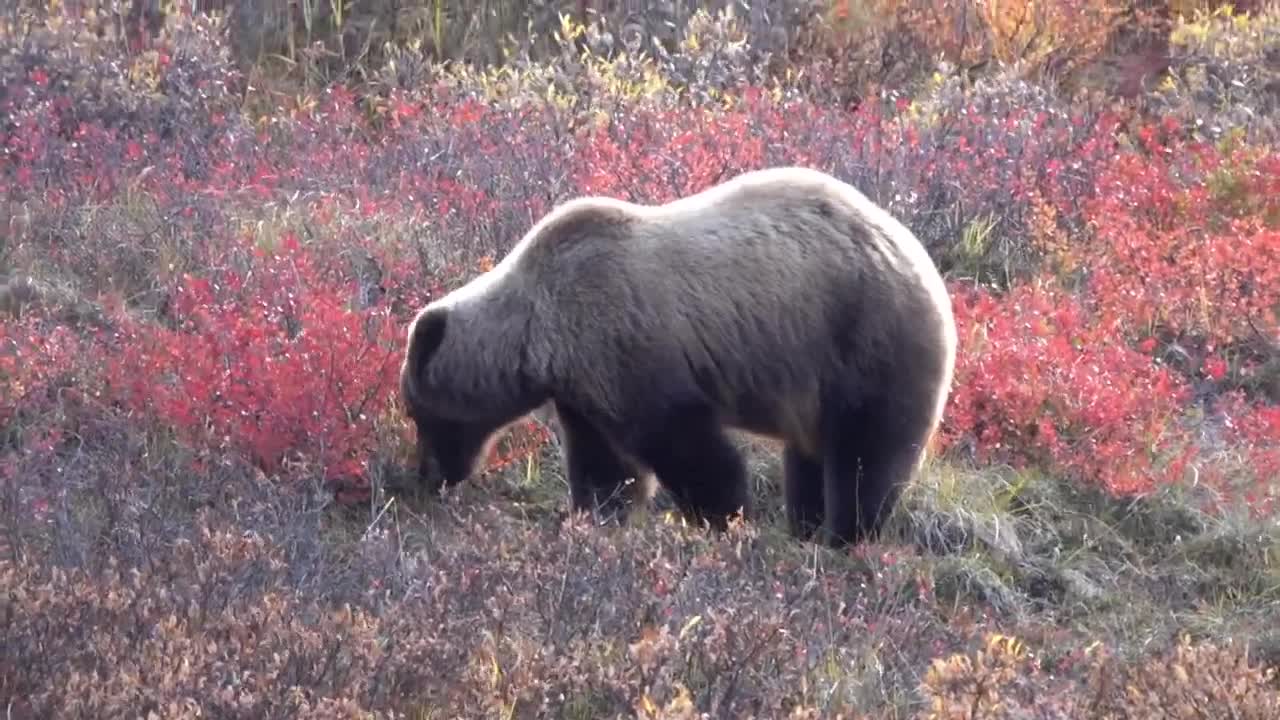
(869, 458)
(598, 474)
(803, 489)
(694, 459)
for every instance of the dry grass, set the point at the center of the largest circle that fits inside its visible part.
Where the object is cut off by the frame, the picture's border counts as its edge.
(176, 589)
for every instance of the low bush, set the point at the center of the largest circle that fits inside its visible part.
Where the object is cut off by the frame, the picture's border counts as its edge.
(206, 588)
(203, 295)
(1196, 679)
(1224, 80)
(965, 170)
(1170, 206)
(277, 363)
(1041, 379)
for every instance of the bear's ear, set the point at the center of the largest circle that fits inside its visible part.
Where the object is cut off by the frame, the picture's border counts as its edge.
(428, 333)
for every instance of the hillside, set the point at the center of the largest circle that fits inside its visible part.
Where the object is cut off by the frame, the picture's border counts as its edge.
(215, 233)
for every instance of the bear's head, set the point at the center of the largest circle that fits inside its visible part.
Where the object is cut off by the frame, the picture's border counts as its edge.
(452, 441)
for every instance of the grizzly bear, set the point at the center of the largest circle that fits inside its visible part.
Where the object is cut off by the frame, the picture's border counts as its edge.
(782, 303)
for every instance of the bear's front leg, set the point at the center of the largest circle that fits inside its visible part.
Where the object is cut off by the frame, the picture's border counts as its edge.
(697, 463)
(869, 458)
(601, 480)
(803, 488)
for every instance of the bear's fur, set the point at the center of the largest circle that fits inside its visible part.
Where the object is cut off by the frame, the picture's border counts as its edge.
(782, 303)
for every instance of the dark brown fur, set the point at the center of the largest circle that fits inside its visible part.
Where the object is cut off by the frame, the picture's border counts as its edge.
(782, 303)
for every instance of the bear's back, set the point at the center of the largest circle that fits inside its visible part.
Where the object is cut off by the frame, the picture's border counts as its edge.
(768, 244)
(787, 220)
(786, 264)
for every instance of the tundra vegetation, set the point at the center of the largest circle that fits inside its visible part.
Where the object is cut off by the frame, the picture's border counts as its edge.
(217, 219)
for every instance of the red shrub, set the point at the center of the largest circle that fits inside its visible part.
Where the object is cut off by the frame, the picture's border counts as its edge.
(1041, 379)
(36, 360)
(49, 374)
(941, 164)
(656, 157)
(1253, 431)
(277, 364)
(1186, 243)
(273, 363)
(1184, 260)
